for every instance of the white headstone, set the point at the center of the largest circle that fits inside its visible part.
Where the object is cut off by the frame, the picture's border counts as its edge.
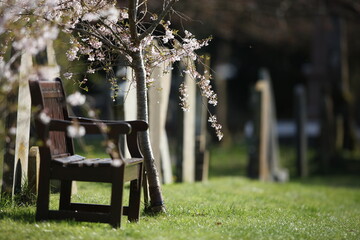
(23, 120)
(159, 93)
(188, 161)
(269, 146)
(130, 102)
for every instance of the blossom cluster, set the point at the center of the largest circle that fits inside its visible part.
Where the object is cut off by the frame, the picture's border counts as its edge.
(214, 124)
(184, 97)
(101, 34)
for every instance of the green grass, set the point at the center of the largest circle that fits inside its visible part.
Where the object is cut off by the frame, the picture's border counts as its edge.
(222, 208)
(225, 207)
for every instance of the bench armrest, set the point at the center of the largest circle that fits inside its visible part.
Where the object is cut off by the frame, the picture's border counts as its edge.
(113, 128)
(131, 139)
(136, 125)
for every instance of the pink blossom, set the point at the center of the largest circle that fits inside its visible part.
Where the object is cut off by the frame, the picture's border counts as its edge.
(91, 17)
(71, 54)
(95, 43)
(68, 75)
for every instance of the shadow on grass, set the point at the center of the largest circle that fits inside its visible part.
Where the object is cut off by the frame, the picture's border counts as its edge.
(338, 180)
(18, 214)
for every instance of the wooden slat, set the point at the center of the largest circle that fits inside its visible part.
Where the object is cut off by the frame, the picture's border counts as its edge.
(132, 172)
(53, 94)
(132, 161)
(126, 210)
(69, 159)
(79, 216)
(94, 162)
(87, 174)
(82, 207)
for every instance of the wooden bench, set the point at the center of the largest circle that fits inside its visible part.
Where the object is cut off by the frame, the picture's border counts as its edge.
(59, 161)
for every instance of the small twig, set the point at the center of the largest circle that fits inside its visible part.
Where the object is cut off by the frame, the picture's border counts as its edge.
(152, 27)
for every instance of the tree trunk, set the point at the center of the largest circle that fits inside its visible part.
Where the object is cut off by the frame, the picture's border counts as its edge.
(156, 198)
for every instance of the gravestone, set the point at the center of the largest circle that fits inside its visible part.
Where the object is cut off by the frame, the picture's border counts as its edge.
(202, 154)
(158, 103)
(22, 125)
(130, 102)
(266, 152)
(159, 93)
(188, 143)
(15, 164)
(16, 172)
(301, 138)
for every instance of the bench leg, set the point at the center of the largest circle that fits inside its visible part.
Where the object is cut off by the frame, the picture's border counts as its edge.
(135, 197)
(116, 205)
(43, 198)
(65, 194)
(134, 201)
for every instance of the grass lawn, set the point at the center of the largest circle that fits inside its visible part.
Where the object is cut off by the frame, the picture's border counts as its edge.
(225, 207)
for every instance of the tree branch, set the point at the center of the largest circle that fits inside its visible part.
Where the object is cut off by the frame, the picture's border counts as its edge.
(127, 50)
(133, 4)
(152, 27)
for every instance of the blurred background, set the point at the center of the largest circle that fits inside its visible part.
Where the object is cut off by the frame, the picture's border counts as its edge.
(309, 44)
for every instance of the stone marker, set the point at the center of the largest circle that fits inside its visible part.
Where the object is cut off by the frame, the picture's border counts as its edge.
(268, 146)
(130, 102)
(22, 125)
(202, 154)
(159, 93)
(33, 169)
(188, 151)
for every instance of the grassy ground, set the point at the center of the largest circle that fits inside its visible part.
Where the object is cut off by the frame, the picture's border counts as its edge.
(231, 207)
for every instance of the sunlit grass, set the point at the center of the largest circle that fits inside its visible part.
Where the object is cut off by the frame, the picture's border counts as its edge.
(228, 206)
(222, 208)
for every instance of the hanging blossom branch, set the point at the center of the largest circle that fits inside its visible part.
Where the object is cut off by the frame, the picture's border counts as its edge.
(103, 33)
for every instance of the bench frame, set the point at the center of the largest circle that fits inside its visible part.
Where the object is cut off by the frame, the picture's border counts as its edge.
(58, 160)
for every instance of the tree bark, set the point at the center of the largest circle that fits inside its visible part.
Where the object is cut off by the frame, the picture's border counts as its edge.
(156, 198)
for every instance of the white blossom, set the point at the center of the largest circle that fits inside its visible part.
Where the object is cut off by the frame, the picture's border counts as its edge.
(12, 131)
(76, 99)
(90, 70)
(168, 36)
(116, 163)
(214, 124)
(95, 43)
(124, 14)
(51, 3)
(111, 14)
(68, 75)
(91, 57)
(75, 131)
(71, 54)
(44, 118)
(91, 113)
(184, 97)
(91, 17)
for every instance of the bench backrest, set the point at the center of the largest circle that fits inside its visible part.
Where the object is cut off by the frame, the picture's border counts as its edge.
(49, 97)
